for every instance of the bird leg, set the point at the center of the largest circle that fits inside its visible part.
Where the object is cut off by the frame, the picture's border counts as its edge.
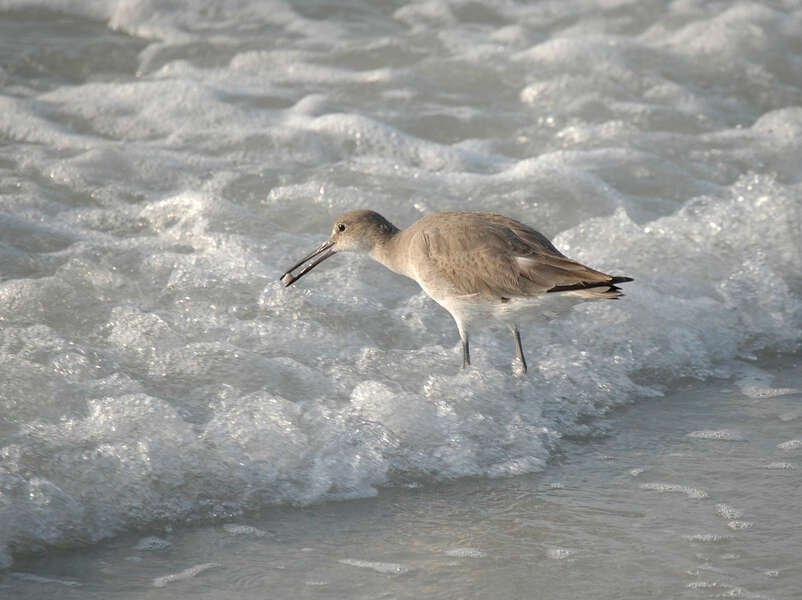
(519, 349)
(466, 353)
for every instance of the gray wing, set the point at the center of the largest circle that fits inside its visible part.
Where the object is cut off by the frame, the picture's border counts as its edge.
(491, 255)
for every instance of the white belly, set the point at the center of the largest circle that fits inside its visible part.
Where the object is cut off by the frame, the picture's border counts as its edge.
(475, 310)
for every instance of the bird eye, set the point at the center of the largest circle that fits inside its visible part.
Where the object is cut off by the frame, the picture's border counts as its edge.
(340, 226)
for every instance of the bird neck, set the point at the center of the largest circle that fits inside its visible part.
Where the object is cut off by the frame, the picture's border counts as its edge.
(388, 250)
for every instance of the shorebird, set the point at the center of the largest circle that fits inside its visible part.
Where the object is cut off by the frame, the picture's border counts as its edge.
(478, 266)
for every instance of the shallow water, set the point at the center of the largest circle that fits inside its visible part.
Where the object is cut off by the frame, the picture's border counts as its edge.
(161, 166)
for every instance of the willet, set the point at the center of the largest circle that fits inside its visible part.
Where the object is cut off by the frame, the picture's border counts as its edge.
(478, 266)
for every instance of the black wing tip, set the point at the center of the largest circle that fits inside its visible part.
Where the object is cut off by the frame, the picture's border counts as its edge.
(610, 284)
(621, 279)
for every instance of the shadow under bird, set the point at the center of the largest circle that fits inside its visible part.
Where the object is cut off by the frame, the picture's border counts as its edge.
(479, 266)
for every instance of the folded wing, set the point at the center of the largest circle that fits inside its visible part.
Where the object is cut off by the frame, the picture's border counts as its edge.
(492, 255)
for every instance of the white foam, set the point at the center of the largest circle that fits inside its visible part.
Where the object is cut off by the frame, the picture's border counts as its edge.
(706, 538)
(372, 137)
(188, 573)
(379, 567)
(726, 435)
(465, 552)
(151, 543)
(728, 512)
(298, 66)
(790, 445)
(236, 529)
(790, 416)
(690, 492)
(560, 553)
(703, 585)
(767, 392)
(780, 466)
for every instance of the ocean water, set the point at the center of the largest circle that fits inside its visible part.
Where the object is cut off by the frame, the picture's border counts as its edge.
(174, 421)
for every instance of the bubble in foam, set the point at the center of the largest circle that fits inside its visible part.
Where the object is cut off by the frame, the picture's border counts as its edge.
(790, 415)
(755, 391)
(151, 543)
(700, 585)
(558, 553)
(185, 574)
(727, 435)
(235, 529)
(379, 567)
(465, 553)
(728, 512)
(706, 538)
(779, 466)
(691, 492)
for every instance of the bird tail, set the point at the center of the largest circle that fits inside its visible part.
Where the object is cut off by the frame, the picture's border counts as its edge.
(594, 289)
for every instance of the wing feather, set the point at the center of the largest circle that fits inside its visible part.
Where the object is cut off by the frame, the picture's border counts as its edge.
(492, 255)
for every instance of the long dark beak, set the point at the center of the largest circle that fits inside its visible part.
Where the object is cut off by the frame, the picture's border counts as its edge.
(288, 278)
